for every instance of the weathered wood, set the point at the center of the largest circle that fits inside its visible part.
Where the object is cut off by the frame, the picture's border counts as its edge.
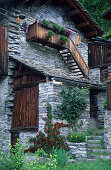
(25, 111)
(83, 24)
(25, 108)
(91, 34)
(27, 85)
(3, 51)
(74, 12)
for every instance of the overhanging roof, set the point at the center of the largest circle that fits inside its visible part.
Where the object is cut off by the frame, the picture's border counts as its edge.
(106, 15)
(82, 19)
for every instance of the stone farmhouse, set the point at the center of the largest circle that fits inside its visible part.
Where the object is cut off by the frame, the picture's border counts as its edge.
(34, 67)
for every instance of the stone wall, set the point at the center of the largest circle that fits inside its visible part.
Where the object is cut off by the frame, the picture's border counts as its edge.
(107, 130)
(79, 150)
(6, 105)
(20, 48)
(101, 96)
(94, 75)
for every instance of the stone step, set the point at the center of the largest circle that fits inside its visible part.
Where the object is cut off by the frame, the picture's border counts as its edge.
(94, 141)
(96, 150)
(95, 137)
(94, 145)
(98, 133)
(98, 156)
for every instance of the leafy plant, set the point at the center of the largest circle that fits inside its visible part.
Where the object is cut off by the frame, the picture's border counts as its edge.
(57, 27)
(63, 38)
(105, 103)
(76, 137)
(51, 33)
(14, 160)
(73, 102)
(53, 138)
(46, 22)
(61, 156)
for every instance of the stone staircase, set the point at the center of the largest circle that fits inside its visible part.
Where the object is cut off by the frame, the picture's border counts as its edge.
(71, 62)
(95, 147)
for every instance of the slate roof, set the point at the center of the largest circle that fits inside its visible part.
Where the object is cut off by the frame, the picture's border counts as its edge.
(50, 71)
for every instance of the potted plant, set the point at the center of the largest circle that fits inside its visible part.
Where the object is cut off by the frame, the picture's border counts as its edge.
(49, 34)
(63, 39)
(46, 22)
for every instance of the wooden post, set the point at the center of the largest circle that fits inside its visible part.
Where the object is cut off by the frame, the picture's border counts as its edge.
(14, 137)
(109, 96)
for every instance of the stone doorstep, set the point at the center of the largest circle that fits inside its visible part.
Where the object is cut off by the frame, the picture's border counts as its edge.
(94, 145)
(98, 133)
(94, 141)
(96, 137)
(98, 156)
(97, 150)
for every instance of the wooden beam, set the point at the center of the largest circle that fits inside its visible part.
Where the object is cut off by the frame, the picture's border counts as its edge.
(83, 24)
(32, 2)
(28, 85)
(44, 2)
(59, 2)
(74, 12)
(93, 33)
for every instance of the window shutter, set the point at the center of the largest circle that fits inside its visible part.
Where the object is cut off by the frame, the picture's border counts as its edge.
(3, 51)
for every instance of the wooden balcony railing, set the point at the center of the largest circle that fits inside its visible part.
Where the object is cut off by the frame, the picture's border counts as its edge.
(37, 32)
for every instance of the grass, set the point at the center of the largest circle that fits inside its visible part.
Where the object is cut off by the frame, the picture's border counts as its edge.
(91, 131)
(100, 164)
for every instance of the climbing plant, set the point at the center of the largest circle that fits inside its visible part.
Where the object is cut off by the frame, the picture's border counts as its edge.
(73, 102)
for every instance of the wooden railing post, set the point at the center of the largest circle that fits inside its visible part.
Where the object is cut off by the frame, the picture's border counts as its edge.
(109, 96)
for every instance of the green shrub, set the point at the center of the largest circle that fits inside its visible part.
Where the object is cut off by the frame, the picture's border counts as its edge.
(61, 156)
(51, 33)
(76, 137)
(73, 102)
(46, 22)
(14, 160)
(57, 27)
(63, 38)
(105, 103)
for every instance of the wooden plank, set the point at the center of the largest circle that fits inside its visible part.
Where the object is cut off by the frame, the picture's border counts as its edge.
(91, 34)
(73, 12)
(83, 24)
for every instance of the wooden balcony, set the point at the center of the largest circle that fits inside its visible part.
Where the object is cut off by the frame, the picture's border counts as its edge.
(37, 32)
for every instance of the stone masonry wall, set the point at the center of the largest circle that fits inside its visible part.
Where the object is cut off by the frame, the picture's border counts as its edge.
(94, 75)
(20, 48)
(101, 96)
(79, 150)
(6, 105)
(107, 130)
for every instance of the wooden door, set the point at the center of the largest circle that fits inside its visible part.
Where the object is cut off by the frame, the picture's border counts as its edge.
(25, 111)
(93, 103)
(3, 51)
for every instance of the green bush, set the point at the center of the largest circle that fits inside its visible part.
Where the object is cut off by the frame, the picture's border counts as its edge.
(46, 22)
(76, 137)
(73, 102)
(57, 27)
(51, 33)
(61, 156)
(105, 103)
(63, 38)
(14, 160)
